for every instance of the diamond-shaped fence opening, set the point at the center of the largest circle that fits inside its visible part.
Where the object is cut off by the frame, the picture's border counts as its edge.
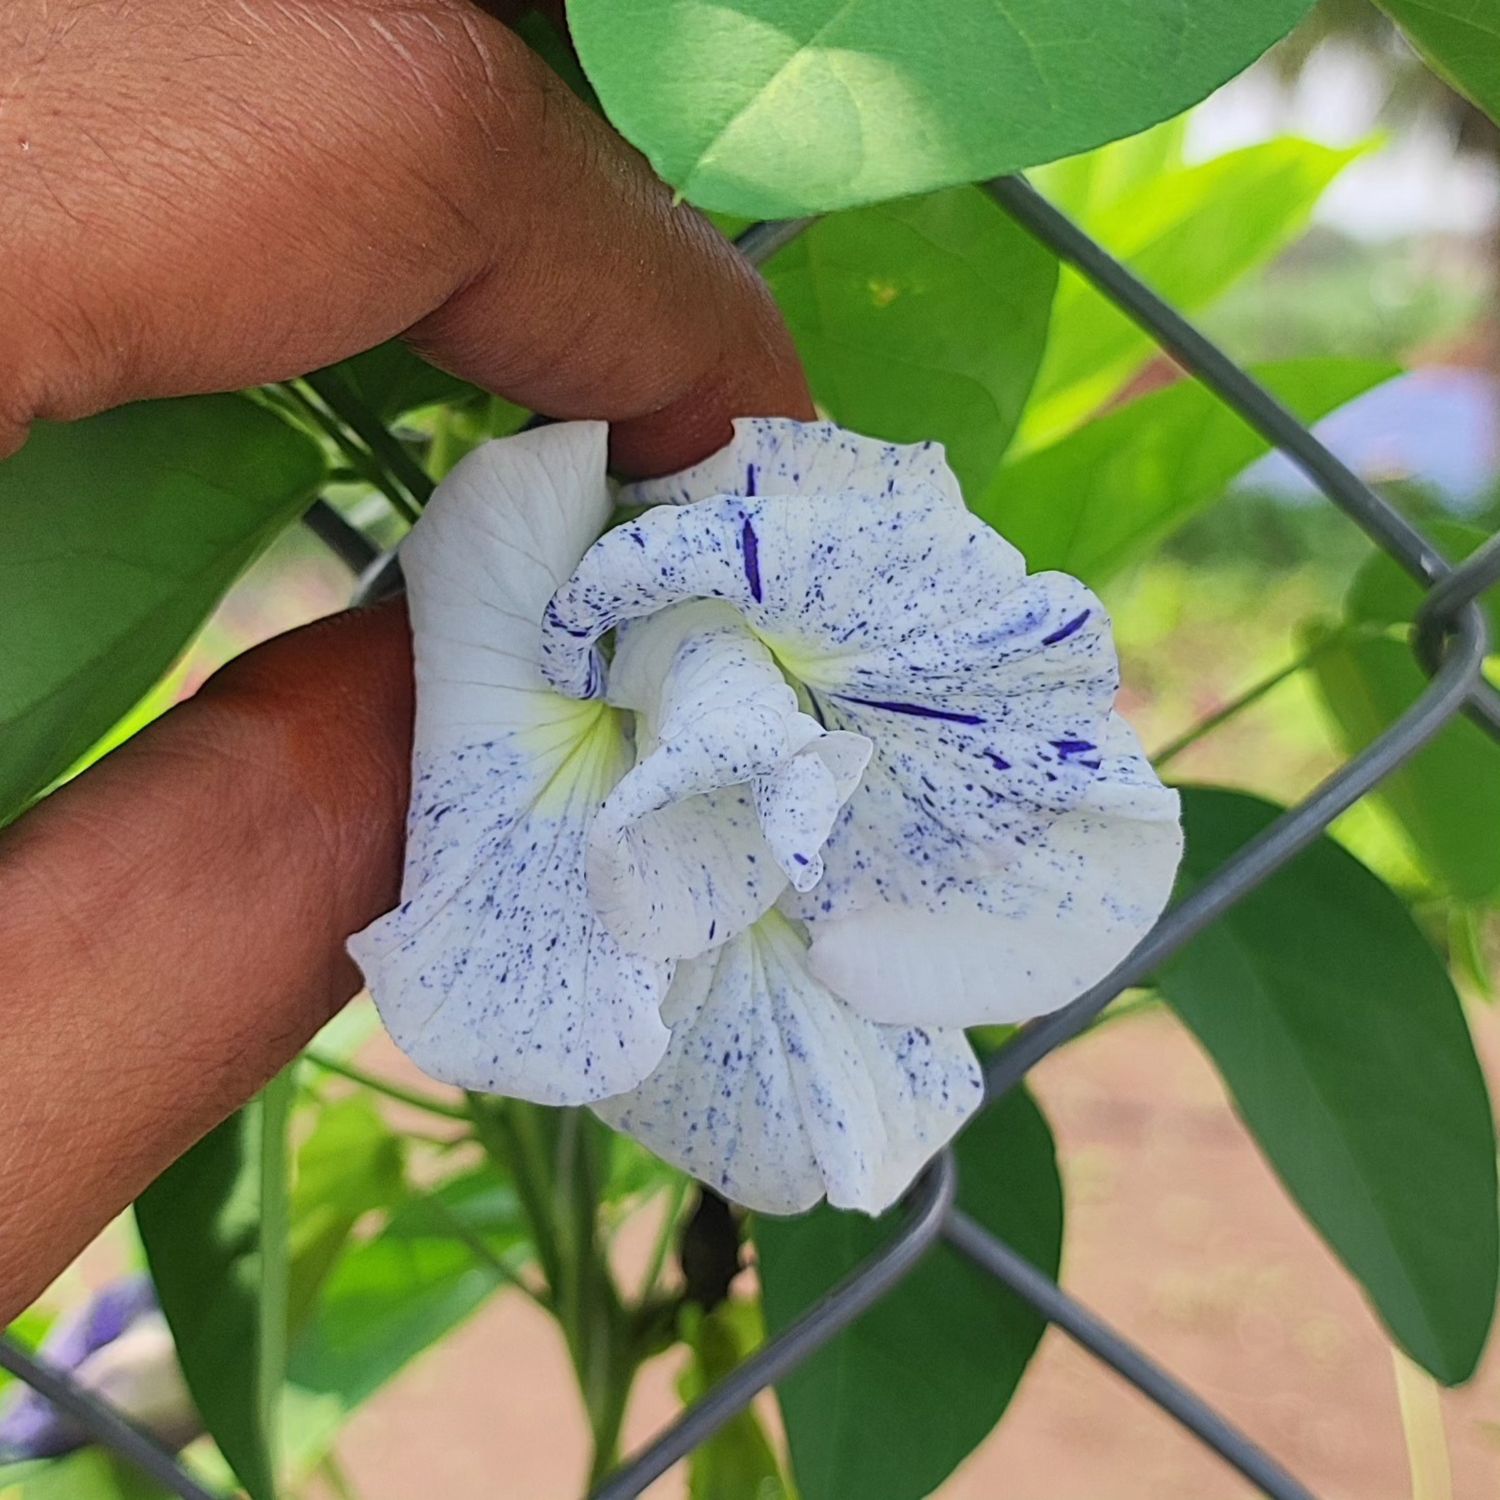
(1451, 641)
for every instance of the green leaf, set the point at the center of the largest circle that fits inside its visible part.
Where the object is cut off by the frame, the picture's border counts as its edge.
(923, 319)
(118, 535)
(395, 1295)
(1084, 186)
(90, 1474)
(898, 1400)
(1106, 495)
(774, 108)
(210, 1230)
(1344, 1046)
(1190, 234)
(1447, 799)
(392, 380)
(1384, 593)
(351, 1164)
(1460, 39)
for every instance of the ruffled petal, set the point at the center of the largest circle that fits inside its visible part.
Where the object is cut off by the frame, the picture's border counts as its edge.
(776, 456)
(1027, 941)
(776, 1093)
(817, 576)
(732, 795)
(494, 972)
(985, 692)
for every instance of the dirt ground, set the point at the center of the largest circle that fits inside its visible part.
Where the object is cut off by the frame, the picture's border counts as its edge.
(1177, 1233)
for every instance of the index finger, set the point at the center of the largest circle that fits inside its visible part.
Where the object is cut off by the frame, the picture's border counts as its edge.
(239, 194)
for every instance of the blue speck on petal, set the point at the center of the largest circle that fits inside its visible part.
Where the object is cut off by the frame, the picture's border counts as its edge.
(1066, 749)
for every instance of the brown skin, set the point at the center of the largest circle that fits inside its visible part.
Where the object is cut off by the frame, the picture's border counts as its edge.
(204, 197)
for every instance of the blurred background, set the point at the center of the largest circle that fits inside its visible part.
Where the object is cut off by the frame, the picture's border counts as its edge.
(1178, 1233)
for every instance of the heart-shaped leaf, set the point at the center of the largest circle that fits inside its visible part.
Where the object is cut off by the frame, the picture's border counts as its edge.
(775, 108)
(1344, 1045)
(919, 320)
(118, 535)
(898, 1400)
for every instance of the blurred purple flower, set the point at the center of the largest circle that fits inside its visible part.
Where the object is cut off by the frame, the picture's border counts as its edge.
(118, 1347)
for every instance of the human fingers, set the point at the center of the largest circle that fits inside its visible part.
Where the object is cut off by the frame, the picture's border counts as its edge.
(205, 197)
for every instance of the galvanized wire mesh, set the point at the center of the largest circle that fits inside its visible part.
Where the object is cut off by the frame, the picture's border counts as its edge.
(1451, 641)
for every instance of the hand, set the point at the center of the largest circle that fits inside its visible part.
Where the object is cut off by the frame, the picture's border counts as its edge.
(199, 198)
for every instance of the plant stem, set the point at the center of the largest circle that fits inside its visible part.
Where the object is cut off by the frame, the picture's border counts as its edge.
(346, 404)
(607, 1421)
(360, 459)
(389, 1090)
(557, 1159)
(275, 1223)
(506, 1131)
(1247, 699)
(1422, 1426)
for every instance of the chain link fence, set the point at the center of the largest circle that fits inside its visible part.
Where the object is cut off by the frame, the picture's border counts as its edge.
(1451, 641)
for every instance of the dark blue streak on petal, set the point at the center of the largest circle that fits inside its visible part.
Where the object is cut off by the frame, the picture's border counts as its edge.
(917, 710)
(1067, 749)
(750, 479)
(1064, 631)
(751, 544)
(998, 761)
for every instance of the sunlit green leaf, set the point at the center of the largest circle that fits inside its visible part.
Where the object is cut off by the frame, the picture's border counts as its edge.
(395, 1295)
(1384, 593)
(1447, 798)
(1190, 234)
(1084, 186)
(775, 108)
(1345, 1048)
(922, 319)
(897, 1401)
(89, 1475)
(118, 535)
(1461, 39)
(222, 1282)
(351, 1164)
(1104, 496)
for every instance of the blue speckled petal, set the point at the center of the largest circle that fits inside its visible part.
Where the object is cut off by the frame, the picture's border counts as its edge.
(776, 456)
(819, 577)
(733, 792)
(912, 623)
(777, 1094)
(494, 972)
(1026, 941)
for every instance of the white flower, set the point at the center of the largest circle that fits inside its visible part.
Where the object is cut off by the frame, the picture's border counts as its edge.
(495, 972)
(878, 792)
